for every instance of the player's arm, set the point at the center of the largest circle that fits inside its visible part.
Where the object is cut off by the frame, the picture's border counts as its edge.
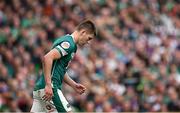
(79, 88)
(47, 66)
(68, 80)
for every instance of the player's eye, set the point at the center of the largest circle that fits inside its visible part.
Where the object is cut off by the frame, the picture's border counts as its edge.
(90, 38)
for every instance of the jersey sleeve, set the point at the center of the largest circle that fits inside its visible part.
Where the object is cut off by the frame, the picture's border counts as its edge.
(64, 48)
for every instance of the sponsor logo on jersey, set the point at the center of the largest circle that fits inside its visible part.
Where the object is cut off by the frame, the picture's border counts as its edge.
(65, 45)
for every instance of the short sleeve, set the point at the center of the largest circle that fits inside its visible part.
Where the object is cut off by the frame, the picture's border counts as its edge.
(64, 48)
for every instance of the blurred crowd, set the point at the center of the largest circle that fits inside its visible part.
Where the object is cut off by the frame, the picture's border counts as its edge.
(132, 65)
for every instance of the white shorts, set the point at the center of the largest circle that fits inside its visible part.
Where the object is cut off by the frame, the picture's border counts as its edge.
(58, 103)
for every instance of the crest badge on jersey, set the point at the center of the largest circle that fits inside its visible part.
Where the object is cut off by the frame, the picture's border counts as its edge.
(65, 45)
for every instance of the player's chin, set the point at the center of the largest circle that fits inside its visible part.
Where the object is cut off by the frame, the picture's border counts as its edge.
(82, 45)
(86, 44)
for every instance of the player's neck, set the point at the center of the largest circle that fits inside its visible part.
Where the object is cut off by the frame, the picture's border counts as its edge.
(74, 35)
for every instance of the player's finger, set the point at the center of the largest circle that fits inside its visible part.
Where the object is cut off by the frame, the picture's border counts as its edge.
(83, 87)
(46, 97)
(82, 91)
(43, 96)
(49, 98)
(80, 86)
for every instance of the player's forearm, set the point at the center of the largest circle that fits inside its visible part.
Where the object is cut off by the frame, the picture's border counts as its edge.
(69, 81)
(47, 65)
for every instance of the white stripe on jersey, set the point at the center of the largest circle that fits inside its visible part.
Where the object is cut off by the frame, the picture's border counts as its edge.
(64, 101)
(62, 50)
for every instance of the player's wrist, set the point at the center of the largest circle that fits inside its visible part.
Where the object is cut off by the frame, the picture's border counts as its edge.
(75, 85)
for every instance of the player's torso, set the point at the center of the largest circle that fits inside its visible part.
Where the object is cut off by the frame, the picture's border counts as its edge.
(59, 67)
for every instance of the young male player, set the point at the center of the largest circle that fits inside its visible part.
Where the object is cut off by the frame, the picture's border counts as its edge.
(47, 95)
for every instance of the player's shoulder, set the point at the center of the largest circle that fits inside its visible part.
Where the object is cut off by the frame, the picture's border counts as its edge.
(67, 38)
(63, 38)
(64, 41)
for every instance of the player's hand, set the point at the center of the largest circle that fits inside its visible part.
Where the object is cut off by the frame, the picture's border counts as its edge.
(79, 88)
(48, 93)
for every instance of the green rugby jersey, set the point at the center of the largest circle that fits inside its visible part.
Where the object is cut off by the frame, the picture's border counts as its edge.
(67, 48)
